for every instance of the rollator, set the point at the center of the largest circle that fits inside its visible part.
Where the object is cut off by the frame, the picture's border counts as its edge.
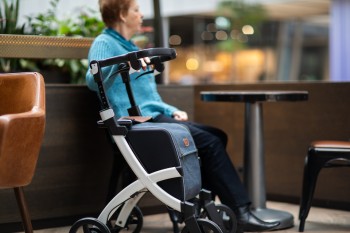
(162, 156)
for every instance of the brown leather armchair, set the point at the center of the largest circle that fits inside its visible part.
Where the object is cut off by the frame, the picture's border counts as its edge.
(22, 125)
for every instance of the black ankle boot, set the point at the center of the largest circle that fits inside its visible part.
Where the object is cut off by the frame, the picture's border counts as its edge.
(248, 222)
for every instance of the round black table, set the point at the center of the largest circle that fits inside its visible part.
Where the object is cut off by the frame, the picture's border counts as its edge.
(254, 169)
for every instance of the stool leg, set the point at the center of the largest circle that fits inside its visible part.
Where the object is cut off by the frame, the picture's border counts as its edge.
(28, 228)
(311, 171)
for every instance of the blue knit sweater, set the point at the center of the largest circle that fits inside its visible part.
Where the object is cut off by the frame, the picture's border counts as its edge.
(109, 44)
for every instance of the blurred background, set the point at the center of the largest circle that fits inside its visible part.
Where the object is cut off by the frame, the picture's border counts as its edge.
(217, 41)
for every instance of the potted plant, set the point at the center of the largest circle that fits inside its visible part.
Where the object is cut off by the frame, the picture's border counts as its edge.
(48, 24)
(8, 25)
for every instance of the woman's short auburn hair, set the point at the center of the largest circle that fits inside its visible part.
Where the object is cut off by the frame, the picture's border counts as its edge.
(111, 10)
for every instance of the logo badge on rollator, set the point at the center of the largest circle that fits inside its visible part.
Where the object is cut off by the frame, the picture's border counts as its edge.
(186, 142)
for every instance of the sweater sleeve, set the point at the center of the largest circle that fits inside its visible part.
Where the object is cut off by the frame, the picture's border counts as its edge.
(167, 109)
(100, 49)
(146, 95)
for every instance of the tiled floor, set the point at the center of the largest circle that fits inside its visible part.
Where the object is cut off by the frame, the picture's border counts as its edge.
(319, 220)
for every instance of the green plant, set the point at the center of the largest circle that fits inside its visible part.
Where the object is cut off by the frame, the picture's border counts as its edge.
(8, 25)
(239, 15)
(86, 24)
(9, 17)
(242, 13)
(44, 23)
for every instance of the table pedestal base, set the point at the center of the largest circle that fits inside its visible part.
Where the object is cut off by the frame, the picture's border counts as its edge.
(269, 215)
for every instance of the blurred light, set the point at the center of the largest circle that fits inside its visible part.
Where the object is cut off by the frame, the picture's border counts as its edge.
(146, 29)
(141, 41)
(213, 66)
(221, 35)
(222, 22)
(225, 59)
(234, 34)
(175, 40)
(248, 30)
(207, 35)
(242, 38)
(192, 64)
(211, 27)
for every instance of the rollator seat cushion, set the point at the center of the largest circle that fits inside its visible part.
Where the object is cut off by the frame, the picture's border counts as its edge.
(164, 145)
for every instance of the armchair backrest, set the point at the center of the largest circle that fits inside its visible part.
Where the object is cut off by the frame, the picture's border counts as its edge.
(22, 125)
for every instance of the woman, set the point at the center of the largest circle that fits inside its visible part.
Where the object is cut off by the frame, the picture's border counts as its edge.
(123, 20)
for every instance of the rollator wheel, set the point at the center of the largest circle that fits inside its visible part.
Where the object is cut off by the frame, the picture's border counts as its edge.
(133, 224)
(228, 216)
(206, 226)
(89, 225)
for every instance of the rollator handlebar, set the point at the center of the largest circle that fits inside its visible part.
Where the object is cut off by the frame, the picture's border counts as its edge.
(157, 55)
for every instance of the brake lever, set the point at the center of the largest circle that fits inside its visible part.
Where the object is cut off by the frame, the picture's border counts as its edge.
(158, 64)
(135, 63)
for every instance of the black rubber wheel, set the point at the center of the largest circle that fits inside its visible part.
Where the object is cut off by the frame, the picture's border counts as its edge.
(89, 225)
(206, 226)
(134, 223)
(228, 216)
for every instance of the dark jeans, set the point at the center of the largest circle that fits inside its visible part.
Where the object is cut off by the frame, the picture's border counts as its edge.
(218, 173)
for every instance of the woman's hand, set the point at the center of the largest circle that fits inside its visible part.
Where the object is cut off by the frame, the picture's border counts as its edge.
(144, 62)
(180, 116)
